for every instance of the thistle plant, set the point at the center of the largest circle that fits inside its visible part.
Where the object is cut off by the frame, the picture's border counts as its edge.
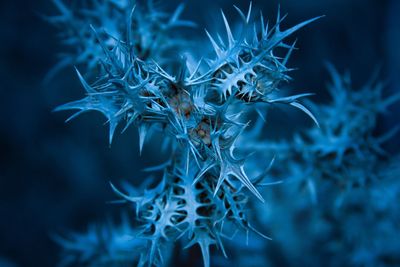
(152, 32)
(138, 74)
(200, 107)
(342, 154)
(338, 179)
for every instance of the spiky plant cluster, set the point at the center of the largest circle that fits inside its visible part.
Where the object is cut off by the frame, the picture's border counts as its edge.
(186, 207)
(151, 31)
(200, 107)
(343, 153)
(341, 186)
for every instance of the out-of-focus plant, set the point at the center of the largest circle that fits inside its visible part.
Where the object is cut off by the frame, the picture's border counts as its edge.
(151, 31)
(109, 244)
(344, 153)
(340, 175)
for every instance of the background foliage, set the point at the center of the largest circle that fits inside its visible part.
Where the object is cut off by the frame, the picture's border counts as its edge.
(55, 177)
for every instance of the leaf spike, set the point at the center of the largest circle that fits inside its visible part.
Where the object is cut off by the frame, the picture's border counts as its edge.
(231, 40)
(217, 49)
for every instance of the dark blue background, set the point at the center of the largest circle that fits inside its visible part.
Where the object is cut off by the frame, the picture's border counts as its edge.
(54, 176)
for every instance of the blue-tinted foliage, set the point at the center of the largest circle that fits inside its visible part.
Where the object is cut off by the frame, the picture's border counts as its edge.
(340, 175)
(110, 244)
(139, 71)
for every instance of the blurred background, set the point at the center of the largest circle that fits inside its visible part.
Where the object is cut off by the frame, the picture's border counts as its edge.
(54, 176)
